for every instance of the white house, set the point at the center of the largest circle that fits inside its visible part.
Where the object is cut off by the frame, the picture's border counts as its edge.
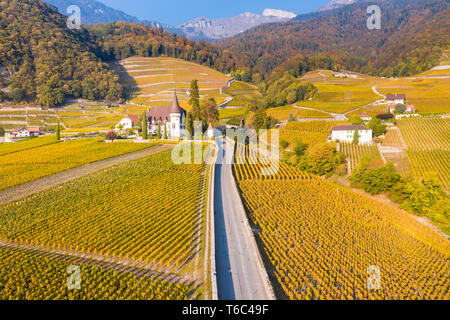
(127, 122)
(365, 117)
(347, 134)
(394, 99)
(26, 133)
(171, 117)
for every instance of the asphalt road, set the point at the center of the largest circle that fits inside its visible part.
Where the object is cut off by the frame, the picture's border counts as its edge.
(239, 276)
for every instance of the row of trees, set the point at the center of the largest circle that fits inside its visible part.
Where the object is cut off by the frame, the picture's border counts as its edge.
(425, 196)
(205, 111)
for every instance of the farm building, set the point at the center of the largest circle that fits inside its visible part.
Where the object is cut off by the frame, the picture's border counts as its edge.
(365, 117)
(347, 133)
(172, 117)
(394, 99)
(127, 122)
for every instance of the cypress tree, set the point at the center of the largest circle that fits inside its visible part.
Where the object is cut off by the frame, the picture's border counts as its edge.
(165, 131)
(158, 134)
(58, 132)
(356, 137)
(144, 127)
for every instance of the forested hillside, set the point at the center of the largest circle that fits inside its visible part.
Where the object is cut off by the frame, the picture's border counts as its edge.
(412, 34)
(48, 61)
(122, 40)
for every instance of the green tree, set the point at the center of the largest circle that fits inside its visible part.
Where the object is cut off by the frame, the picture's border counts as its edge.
(2, 132)
(144, 127)
(210, 113)
(165, 131)
(260, 119)
(300, 148)
(377, 127)
(194, 101)
(291, 118)
(322, 159)
(356, 120)
(189, 124)
(356, 137)
(400, 108)
(58, 132)
(158, 133)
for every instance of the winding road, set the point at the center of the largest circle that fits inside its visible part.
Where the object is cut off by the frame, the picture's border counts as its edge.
(240, 271)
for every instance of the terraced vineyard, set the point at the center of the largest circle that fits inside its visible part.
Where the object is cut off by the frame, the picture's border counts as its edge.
(31, 164)
(309, 132)
(355, 152)
(25, 275)
(321, 241)
(428, 142)
(154, 79)
(124, 215)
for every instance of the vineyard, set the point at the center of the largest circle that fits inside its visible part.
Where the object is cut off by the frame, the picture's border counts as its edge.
(34, 163)
(27, 276)
(426, 133)
(309, 132)
(436, 161)
(122, 214)
(319, 240)
(354, 153)
(6, 148)
(428, 141)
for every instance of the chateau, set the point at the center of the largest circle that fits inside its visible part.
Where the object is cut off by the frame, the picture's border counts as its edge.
(171, 117)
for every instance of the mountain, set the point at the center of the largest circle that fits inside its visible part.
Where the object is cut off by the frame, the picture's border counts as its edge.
(46, 61)
(412, 36)
(335, 4)
(94, 12)
(215, 29)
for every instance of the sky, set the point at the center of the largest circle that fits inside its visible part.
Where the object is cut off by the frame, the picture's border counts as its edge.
(176, 12)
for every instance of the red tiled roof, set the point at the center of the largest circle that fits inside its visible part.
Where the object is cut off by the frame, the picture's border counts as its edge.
(134, 118)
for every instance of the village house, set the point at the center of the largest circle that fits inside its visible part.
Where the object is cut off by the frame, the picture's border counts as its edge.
(394, 99)
(171, 117)
(347, 133)
(365, 117)
(127, 123)
(26, 132)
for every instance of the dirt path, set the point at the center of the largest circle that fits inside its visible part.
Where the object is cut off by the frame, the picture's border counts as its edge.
(27, 189)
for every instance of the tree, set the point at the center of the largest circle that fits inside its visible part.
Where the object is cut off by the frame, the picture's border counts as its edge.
(158, 133)
(189, 124)
(375, 180)
(210, 113)
(321, 159)
(165, 131)
(144, 127)
(111, 135)
(400, 108)
(377, 127)
(291, 118)
(356, 137)
(284, 144)
(300, 148)
(2, 132)
(194, 101)
(356, 121)
(260, 119)
(58, 132)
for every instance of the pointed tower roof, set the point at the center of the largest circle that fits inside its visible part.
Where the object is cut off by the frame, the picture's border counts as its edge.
(175, 107)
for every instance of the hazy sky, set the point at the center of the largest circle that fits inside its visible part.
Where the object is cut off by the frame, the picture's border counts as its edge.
(176, 12)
